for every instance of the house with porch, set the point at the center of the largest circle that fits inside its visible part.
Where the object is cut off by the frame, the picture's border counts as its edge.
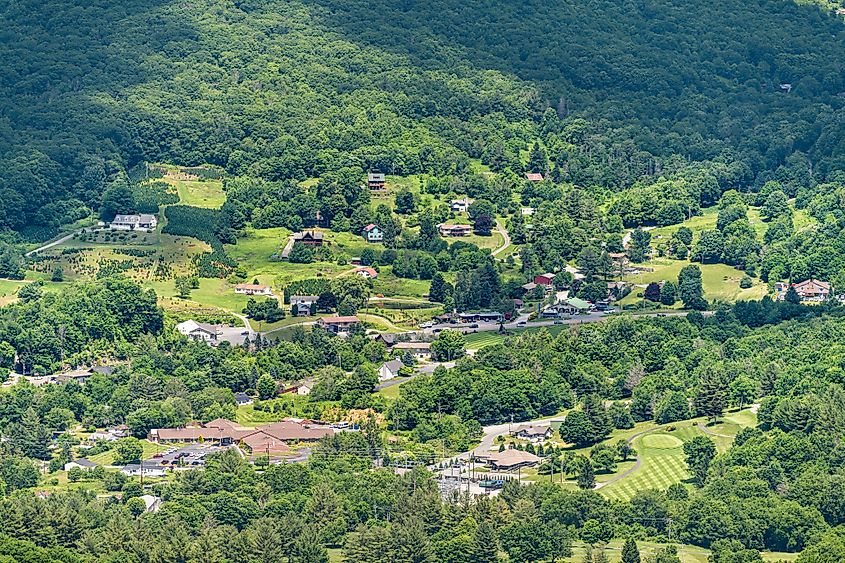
(375, 180)
(372, 233)
(338, 325)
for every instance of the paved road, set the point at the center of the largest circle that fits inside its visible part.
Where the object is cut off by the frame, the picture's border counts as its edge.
(506, 239)
(246, 325)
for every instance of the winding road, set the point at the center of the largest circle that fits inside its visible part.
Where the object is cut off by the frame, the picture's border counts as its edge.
(506, 239)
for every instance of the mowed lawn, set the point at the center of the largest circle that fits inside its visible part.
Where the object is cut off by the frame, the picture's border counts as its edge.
(477, 340)
(199, 193)
(661, 453)
(686, 553)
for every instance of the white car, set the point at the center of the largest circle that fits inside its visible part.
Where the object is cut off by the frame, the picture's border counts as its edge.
(428, 324)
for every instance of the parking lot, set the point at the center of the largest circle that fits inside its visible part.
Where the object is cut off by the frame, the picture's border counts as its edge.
(188, 456)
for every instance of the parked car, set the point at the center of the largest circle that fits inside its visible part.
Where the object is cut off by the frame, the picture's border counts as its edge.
(521, 323)
(473, 325)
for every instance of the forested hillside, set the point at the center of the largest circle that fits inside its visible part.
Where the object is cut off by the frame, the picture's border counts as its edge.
(618, 92)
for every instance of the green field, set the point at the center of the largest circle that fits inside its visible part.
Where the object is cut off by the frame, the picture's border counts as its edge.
(199, 193)
(720, 282)
(477, 340)
(686, 553)
(661, 453)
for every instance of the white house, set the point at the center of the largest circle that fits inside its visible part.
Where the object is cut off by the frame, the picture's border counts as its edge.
(253, 289)
(373, 233)
(389, 370)
(201, 332)
(461, 205)
(145, 468)
(419, 350)
(303, 305)
(151, 503)
(81, 463)
(142, 222)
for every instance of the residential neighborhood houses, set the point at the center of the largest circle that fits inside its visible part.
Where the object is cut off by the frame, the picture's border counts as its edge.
(142, 222)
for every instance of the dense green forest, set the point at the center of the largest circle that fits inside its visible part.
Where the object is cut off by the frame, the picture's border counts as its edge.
(619, 93)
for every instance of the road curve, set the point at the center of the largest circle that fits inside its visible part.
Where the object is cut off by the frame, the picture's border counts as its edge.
(506, 239)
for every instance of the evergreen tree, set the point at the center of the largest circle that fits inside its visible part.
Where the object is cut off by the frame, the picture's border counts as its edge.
(586, 475)
(711, 398)
(689, 287)
(308, 549)
(699, 452)
(537, 159)
(439, 288)
(485, 544)
(30, 437)
(630, 552)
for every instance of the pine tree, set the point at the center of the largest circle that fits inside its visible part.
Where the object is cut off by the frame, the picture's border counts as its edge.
(630, 552)
(485, 545)
(711, 398)
(537, 160)
(586, 475)
(308, 549)
(30, 437)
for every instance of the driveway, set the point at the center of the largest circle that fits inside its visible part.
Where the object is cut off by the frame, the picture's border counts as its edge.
(425, 368)
(57, 242)
(506, 239)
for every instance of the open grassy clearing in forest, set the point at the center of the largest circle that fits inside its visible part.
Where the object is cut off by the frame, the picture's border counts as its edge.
(719, 281)
(196, 192)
